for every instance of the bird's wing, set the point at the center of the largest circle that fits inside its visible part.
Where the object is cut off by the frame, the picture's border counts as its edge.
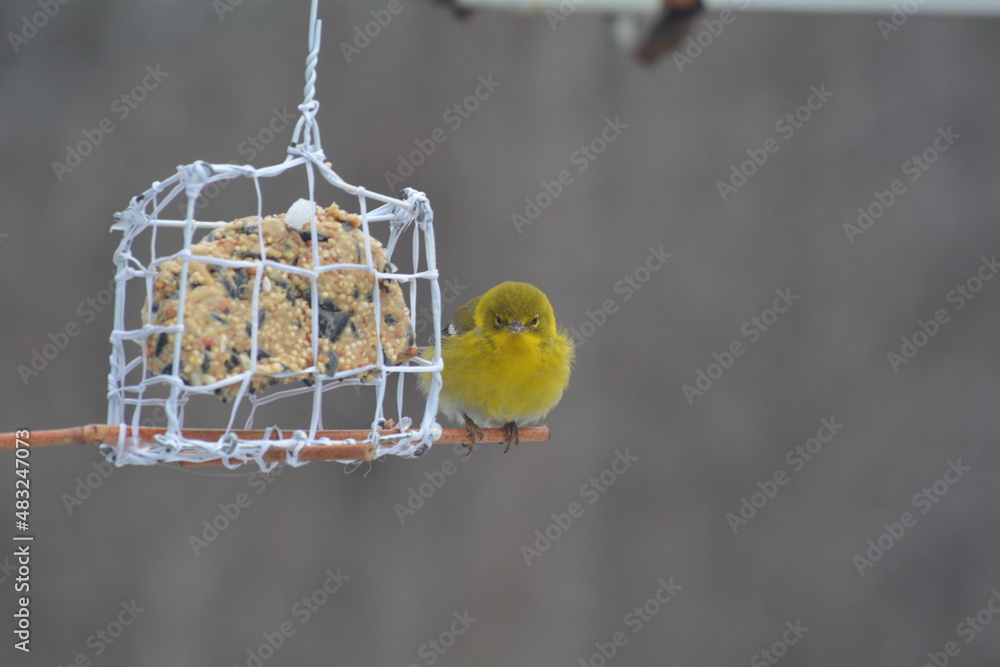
(464, 320)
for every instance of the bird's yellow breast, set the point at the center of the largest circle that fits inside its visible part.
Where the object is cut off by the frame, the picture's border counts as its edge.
(499, 377)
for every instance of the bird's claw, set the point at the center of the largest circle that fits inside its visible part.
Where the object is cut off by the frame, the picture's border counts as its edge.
(475, 433)
(513, 435)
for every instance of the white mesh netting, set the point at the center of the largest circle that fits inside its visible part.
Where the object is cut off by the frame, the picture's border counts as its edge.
(135, 391)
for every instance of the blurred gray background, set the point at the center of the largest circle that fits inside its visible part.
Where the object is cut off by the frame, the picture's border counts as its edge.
(128, 542)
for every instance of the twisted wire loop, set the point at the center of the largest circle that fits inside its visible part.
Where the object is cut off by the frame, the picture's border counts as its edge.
(138, 399)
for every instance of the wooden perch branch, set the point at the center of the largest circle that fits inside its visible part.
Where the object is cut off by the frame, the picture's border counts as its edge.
(97, 434)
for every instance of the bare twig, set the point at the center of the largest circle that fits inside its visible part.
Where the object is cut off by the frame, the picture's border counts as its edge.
(97, 434)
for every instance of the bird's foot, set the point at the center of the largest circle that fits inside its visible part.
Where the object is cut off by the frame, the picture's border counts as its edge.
(475, 433)
(513, 435)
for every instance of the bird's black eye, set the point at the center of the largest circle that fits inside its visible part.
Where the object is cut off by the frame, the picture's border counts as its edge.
(534, 322)
(498, 321)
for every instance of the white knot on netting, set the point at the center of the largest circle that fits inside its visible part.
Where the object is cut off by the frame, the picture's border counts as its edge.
(139, 397)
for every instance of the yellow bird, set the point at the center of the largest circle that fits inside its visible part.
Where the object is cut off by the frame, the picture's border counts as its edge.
(506, 363)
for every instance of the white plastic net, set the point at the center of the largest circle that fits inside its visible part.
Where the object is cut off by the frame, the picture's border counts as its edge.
(134, 392)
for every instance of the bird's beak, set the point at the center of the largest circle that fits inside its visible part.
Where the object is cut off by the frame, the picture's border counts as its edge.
(516, 327)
